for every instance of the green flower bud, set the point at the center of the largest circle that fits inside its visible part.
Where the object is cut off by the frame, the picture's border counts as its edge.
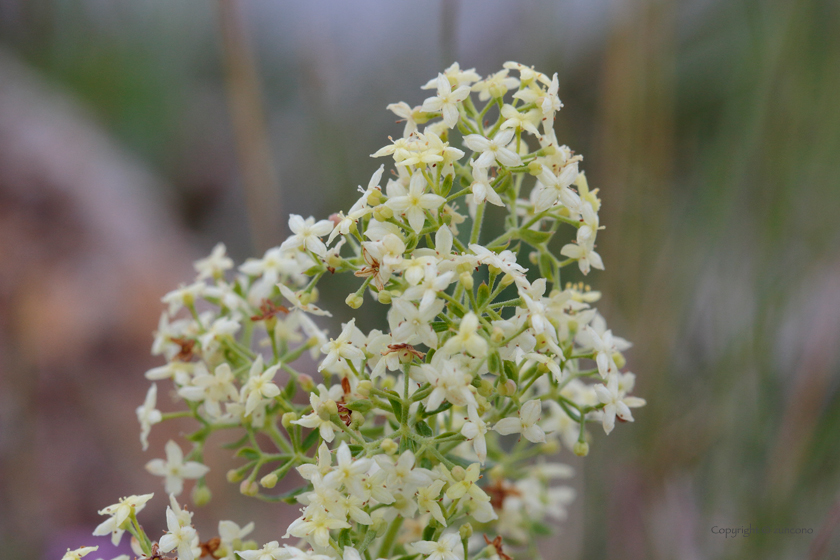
(201, 495)
(466, 531)
(287, 419)
(364, 387)
(234, 476)
(535, 168)
(249, 488)
(382, 213)
(269, 480)
(507, 388)
(356, 420)
(355, 301)
(458, 473)
(466, 278)
(384, 297)
(306, 382)
(581, 449)
(389, 446)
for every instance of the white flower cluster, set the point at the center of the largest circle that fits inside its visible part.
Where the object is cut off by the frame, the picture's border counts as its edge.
(401, 445)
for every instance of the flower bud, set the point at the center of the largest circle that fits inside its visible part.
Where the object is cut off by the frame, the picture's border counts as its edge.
(334, 260)
(507, 388)
(485, 389)
(314, 295)
(389, 446)
(384, 296)
(201, 495)
(306, 382)
(619, 359)
(507, 280)
(287, 419)
(458, 473)
(388, 382)
(364, 387)
(549, 150)
(356, 420)
(535, 168)
(379, 526)
(534, 257)
(330, 407)
(234, 475)
(249, 488)
(498, 335)
(466, 278)
(374, 197)
(465, 531)
(581, 449)
(306, 298)
(355, 301)
(550, 447)
(382, 213)
(269, 480)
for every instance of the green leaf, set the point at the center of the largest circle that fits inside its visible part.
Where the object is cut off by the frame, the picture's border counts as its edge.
(511, 371)
(423, 429)
(482, 295)
(546, 266)
(494, 362)
(397, 406)
(443, 407)
(447, 185)
(361, 405)
(534, 238)
(290, 390)
(288, 497)
(249, 453)
(439, 326)
(236, 444)
(310, 440)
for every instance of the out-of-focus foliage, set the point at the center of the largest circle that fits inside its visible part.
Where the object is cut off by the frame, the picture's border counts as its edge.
(713, 126)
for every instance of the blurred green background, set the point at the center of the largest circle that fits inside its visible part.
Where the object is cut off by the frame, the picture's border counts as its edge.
(136, 135)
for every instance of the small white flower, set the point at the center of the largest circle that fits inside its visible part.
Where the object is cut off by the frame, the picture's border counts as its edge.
(180, 535)
(214, 265)
(427, 500)
(414, 201)
(341, 347)
(230, 532)
(467, 340)
(259, 385)
(307, 234)
(148, 415)
(494, 150)
(175, 469)
(316, 526)
(605, 345)
(212, 390)
(495, 86)
(526, 121)
(406, 113)
(481, 187)
(448, 547)
(450, 382)
(318, 418)
(446, 101)
(474, 431)
(584, 254)
(525, 424)
(79, 552)
(348, 472)
(295, 300)
(119, 514)
(617, 404)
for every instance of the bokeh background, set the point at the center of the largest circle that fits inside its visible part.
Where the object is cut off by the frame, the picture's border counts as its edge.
(136, 135)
